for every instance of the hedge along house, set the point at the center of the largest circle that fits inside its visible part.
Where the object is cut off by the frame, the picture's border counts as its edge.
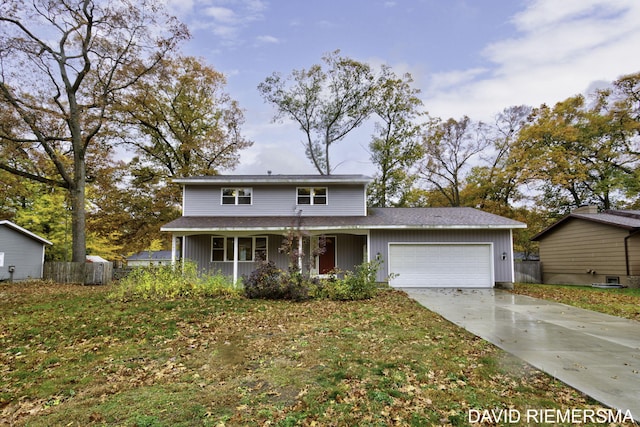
(21, 253)
(230, 222)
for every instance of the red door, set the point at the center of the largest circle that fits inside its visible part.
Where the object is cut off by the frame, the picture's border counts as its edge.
(327, 260)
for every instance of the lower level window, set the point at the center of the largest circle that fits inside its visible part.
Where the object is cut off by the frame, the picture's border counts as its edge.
(249, 248)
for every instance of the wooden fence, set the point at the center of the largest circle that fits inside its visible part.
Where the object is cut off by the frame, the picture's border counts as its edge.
(87, 273)
(528, 271)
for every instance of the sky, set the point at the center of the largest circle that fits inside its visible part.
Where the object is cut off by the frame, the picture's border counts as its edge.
(467, 57)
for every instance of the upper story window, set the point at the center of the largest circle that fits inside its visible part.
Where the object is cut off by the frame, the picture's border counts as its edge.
(236, 196)
(312, 195)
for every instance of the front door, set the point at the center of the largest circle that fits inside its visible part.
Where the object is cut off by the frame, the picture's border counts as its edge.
(327, 260)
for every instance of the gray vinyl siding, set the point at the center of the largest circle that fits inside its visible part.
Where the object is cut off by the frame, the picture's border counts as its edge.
(350, 251)
(584, 252)
(342, 200)
(501, 240)
(21, 251)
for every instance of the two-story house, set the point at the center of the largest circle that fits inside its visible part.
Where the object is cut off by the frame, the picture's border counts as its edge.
(230, 222)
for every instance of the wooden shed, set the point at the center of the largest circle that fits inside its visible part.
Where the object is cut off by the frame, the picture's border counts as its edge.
(21, 253)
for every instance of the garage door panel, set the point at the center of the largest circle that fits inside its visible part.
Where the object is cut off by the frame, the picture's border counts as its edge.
(441, 265)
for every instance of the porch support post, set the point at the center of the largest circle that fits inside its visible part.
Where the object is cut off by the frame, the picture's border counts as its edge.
(235, 259)
(300, 253)
(173, 248)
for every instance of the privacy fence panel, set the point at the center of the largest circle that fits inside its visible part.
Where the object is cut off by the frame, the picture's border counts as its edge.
(88, 273)
(528, 271)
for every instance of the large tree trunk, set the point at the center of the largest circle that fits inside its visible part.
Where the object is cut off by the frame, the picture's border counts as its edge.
(78, 213)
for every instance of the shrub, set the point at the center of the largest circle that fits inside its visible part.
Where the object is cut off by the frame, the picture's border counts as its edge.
(357, 285)
(168, 282)
(269, 282)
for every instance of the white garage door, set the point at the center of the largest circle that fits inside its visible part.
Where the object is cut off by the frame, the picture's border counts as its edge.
(441, 265)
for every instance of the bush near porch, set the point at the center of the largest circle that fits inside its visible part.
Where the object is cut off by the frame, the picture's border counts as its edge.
(270, 282)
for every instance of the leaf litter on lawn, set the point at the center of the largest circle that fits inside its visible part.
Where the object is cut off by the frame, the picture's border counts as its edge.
(621, 302)
(233, 361)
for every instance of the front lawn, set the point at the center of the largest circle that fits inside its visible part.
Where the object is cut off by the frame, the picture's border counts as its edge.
(622, 302)
(71, 356)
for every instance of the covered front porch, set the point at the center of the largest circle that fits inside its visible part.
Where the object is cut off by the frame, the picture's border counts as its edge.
(235, 253)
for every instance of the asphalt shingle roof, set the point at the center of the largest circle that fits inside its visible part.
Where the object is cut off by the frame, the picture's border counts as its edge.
(626, 219)
(612, 219)
(377, 218)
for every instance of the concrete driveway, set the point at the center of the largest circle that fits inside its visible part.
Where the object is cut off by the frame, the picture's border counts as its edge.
(592, 352)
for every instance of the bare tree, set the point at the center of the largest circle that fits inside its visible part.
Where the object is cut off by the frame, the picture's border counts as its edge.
(449, 148)
(326, 103)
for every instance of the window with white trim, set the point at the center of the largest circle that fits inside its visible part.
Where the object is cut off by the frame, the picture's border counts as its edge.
(249, 248)
(236, 196)
(312, 195)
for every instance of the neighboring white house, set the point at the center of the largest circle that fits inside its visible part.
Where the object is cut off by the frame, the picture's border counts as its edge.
(230, 222)
(148, 258)
(21, 253)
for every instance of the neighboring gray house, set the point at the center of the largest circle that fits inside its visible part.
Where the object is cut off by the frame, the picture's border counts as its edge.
(229, 221)
(148, 258)
(21, 253)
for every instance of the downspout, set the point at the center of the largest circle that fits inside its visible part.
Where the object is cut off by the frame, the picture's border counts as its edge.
(626, 249)
(510, 257)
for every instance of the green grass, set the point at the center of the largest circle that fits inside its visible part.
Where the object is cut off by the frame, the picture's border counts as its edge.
(70, 354)
(622, 302)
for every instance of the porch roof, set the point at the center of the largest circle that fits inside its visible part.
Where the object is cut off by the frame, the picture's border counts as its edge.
(377, 218)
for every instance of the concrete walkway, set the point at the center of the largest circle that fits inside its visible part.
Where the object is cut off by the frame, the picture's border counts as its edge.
(592, 352)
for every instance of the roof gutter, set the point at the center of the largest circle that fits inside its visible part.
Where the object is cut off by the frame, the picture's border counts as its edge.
(344, 228)
(626, 248)
(274, 179)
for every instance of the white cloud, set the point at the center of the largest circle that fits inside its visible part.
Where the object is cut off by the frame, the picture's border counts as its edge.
(221, 14)
(546, 13)
(267, 40)
(255, 6)
(225, 19)
(444, 81)
(562, 49)
(180, 7)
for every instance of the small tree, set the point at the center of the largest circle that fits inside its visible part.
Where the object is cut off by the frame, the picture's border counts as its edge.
(293, 246)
